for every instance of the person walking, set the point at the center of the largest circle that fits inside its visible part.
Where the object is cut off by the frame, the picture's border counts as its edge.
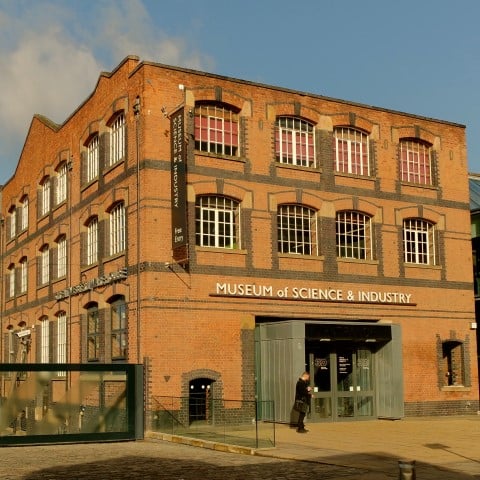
(302, 400)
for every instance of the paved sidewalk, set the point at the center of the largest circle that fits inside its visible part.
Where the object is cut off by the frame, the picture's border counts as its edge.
(444, 448)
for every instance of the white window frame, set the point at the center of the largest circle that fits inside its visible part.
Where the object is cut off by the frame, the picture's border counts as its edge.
(217, 222)
(61, 338)
(61, 187)
(297, 230)
(217, 130)
(117, 140)
(92, 241)
(295, 142)
(416, 162)
(11, 281)
(419, 241)
(45, 340)
(44, 265)
(354, 144)
(24, 216)
(62, 257)
(93, 152)
(117, 229)
(354, 235)
(23, 275)
(45, 196)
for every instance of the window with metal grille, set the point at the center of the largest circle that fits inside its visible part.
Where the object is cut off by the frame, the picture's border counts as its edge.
(61, 184)
(117, 229)
(92, 241)
(415, 162)
(217, 222)
(419, 241)
(92, 158)
(119, 339)
(93, 332)
(45, 196)
(23, 274)
(297, 230)
(351, 151)
(294, 142)
(354, 235)
(62, 257)
(117, 140)
(44, 340)
(44, 265)
(61, 340)
(216, 129)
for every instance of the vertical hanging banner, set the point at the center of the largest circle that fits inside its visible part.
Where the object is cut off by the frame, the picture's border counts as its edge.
(178, 180)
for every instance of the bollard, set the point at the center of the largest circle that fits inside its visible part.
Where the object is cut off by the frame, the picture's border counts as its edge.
(406, 470)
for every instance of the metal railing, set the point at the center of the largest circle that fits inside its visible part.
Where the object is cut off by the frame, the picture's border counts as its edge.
(234, 422)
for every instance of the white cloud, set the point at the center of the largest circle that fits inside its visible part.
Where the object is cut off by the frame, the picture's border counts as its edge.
(52, 52)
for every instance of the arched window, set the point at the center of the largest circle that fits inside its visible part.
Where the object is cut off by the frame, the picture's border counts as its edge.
(415, 161)
(354, 235)
(294, 142)
(93, 151)
(61, 254)
(351, 151)
(118, 232)
(44, 276)
(11, 280)
(91, 247)
(117, 140)
(297, 229)
(217, 222)
(61, 183)
(44, 197)
(44, 340)
(24, 214)
(23, 277)
(216, 129)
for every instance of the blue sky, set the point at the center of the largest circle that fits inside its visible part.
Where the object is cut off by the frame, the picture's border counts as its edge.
(416, 56)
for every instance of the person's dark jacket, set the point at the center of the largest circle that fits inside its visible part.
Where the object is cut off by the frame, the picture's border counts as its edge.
(301, 390)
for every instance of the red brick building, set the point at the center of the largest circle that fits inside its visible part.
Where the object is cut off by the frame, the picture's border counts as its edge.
(230, 235)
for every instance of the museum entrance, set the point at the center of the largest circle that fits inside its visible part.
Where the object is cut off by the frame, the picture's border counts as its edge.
(342, 380)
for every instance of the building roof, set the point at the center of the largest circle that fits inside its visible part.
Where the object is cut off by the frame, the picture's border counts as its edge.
(474, 186)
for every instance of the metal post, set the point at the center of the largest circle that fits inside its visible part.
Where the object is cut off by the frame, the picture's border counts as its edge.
(406, 470)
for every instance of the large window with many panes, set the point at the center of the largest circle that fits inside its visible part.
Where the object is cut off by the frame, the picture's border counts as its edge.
(354, 235)
(119, 339)
(416, 161)
(294, 142)
(93, 152)
(216, 129)
(419, 241)
(117, 229)
(117, 140)
(93, 332)
(351, 151)
(92, 241)
(217, 220)
(297, 230)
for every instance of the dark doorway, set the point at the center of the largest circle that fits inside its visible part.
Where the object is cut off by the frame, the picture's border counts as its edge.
(199, 400)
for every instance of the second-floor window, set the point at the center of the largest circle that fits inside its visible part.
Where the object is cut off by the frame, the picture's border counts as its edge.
(44, 265)
(354, 235)
(294, 142)
(11, 281)
(61, 257)
(217, 222)
(415, 162)
(216, 129)
(92, 241)
(419, 241)
(117, 140)
(351, 151)
(23, 284)
(297, 230)
(44, 340)
(117, 229)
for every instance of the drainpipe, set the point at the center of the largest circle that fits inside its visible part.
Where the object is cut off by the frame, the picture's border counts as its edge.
(136, 112)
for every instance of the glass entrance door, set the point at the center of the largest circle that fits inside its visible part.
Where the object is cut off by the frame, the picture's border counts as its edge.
(342, 383)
